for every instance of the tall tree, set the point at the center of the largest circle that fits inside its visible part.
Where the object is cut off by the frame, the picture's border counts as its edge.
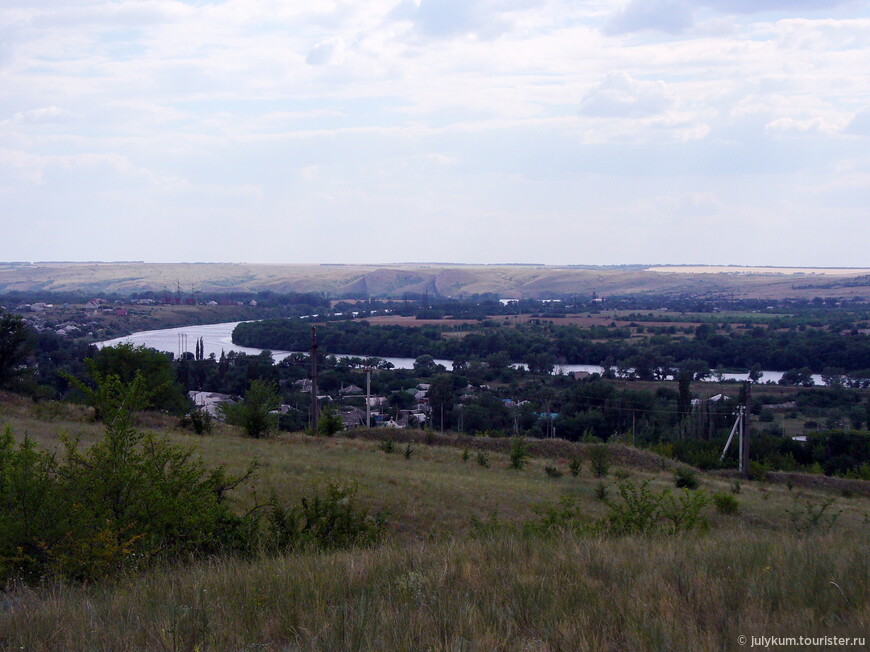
(254, 414)
(14, 345)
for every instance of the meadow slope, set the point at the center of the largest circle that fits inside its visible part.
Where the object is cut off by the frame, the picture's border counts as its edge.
(456, 570)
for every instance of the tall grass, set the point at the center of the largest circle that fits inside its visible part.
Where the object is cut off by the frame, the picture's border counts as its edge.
(433, 587)
(504, 592)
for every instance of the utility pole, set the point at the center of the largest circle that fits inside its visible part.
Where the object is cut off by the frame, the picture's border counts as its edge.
(736, 428)
(744, 445)
(315, 413)
(368, 398)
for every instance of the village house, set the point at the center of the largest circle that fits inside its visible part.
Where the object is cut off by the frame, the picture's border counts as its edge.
(209, 401)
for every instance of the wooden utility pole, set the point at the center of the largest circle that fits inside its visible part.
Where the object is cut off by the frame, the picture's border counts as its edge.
(744, 444)
(315, 413)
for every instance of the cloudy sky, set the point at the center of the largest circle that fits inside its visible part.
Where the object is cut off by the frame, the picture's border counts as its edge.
(551, 131)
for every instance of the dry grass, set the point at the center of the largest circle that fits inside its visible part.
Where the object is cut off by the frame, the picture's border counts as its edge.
(434, 586)
(394, 280)
(499, 593)
(435, 492)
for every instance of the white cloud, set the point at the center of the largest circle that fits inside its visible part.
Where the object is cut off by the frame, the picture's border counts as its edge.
(791, 125)
(860, 123)
(43, 115)
(34, 168)
(619, 95)
(367, 111)
(692, 205)
(679, 16)
(328, 52)
(669, 16)
(755, 6)
(448, 18)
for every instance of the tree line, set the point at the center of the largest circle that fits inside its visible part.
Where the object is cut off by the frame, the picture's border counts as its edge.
(546, 343)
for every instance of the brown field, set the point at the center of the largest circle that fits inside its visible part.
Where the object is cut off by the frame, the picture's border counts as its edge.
(785, 271)
(510, 281)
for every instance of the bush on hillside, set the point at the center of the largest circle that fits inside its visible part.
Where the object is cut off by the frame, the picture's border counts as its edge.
(127, 500)
(685, 478)
(643, 511)
(519, 453)
(330, 421)
(726, 503)
(327, 521)
(599, 460)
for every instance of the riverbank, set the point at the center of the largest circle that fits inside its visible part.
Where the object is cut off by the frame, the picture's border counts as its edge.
(217, 338)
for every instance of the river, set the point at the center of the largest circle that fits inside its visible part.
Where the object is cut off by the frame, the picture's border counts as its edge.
(218, 337)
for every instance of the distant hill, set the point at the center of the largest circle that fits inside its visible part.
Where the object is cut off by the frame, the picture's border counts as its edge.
(397, 280)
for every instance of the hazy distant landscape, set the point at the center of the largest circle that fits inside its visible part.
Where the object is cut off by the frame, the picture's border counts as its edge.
(448, 280)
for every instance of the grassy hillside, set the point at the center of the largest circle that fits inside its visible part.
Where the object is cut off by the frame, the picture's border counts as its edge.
(448, 280)
(456, 570)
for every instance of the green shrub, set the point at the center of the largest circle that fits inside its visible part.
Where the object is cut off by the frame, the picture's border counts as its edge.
(599, 460)
(683, 513)
(329, 422)
(465, 454)
(563, 516)
(408, 452)
(640, 511)
(601, 491)
(575, 465)
(328, 521)
(519, 453)
(129, 499)
(758, 471)
(553, 472)
(726, 503)
(387, 446)
(199, 420)
(643, 511)
(685, 478)
(483, 459)
(812, 516)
